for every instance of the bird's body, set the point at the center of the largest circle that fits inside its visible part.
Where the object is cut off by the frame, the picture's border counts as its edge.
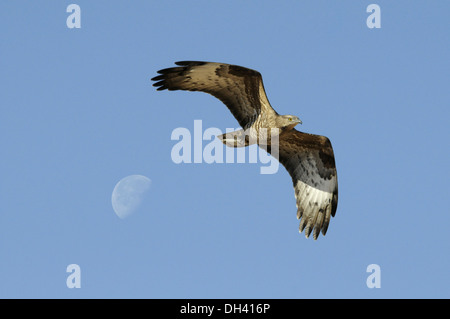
(308, 158)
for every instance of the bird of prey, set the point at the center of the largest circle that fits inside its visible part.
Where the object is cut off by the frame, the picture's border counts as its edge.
(308, 158)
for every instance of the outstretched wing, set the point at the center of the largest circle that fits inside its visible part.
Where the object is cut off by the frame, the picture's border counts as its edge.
(309, 159)
(241, 89)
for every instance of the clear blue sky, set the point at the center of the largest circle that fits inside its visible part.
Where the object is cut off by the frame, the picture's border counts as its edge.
(78, 113)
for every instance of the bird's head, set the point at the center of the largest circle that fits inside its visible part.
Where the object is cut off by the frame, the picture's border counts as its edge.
(289, 121)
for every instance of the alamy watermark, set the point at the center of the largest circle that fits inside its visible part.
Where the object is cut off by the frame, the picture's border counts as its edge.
(374, 279)
(74, 279)
(74, 18)
(374, 19)
(192, 149)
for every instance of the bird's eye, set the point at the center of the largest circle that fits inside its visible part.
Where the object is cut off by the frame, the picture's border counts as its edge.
(290, 118)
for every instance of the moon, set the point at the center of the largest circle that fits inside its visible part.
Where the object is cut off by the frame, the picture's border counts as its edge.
(128, 194)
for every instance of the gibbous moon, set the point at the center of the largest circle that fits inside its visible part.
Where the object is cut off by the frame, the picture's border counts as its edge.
(128, 194)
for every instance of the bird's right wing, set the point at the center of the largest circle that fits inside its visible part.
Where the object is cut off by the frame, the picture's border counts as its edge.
(309, 159)
(241, 89)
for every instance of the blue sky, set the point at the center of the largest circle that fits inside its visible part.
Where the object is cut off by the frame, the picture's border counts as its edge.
(78, 114)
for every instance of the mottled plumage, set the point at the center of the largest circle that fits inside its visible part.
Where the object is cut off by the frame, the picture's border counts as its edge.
(308, 158)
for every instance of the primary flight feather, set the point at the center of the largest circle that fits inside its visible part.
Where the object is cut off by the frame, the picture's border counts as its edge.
(308, 158)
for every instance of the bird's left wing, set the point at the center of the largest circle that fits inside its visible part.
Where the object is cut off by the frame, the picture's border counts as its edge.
(240, 89)
(309, 159)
